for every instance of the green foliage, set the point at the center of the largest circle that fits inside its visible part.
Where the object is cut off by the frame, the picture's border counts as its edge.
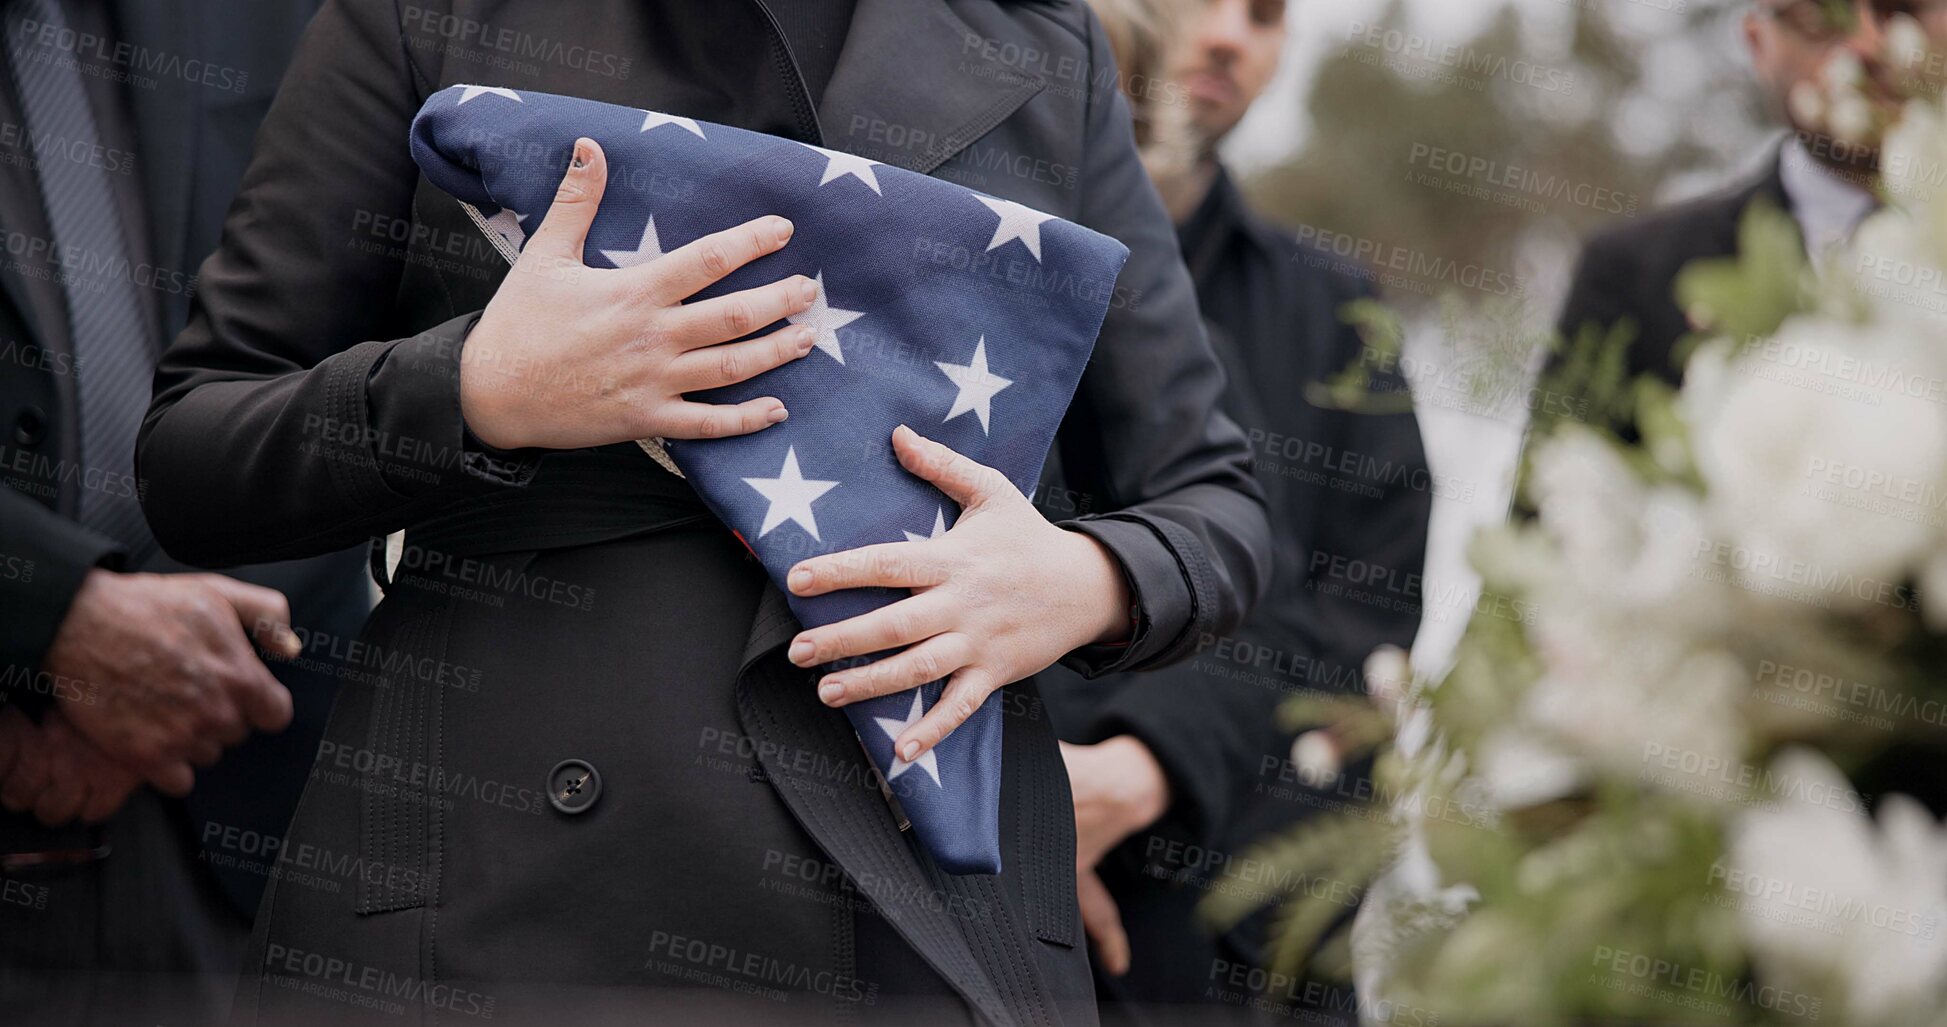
(1383, 332)
(1618, 866)
(1747, 296)
(1313, 872)
(1355, 722)
(1629, 874)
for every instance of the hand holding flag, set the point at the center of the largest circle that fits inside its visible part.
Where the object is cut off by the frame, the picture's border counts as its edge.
(924, 303)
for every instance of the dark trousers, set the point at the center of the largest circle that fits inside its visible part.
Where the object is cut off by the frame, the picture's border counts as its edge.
(140, 936)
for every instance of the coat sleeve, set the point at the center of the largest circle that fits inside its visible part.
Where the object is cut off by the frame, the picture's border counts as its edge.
(1213, 724)
(47, 557)
(333, 443)
(1144, 439)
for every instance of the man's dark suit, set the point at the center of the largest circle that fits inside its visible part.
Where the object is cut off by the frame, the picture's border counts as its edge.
(1350, 495)
(1627, 274)
(196, 76)
(596, 617)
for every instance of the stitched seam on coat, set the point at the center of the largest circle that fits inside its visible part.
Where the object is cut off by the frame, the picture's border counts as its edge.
(885, 851)
(436, 836)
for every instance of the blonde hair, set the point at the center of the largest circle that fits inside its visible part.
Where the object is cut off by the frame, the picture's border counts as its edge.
(1141, 33)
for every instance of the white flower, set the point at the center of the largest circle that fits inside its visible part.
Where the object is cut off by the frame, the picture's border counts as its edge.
(1638, 546)
(1823, 485)
(1517, 769)
(1387, 675)
(1614, 693)
(1807, 105)
(1906, 42)
(1845, 72)
(1915, 227)
(1852, 119)
(1316, 755)
(1832, 907)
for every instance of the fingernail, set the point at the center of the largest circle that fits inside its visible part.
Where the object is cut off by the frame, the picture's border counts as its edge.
(800, 579)
(582, 156)
(808, 290)
(288, 642)
(908, 750)
(781, 229)
(801, 652)
(805, 338)
(831, 692)
(778, 414)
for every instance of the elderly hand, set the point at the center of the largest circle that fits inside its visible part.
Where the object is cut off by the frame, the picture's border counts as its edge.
(50, 770)
(164, 672)
(1001, 595)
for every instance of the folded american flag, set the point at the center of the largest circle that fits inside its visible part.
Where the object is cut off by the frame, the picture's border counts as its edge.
(966, 317)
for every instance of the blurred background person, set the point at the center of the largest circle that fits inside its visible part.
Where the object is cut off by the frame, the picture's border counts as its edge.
(1627, 275)
(124, 130)
(1177, 773)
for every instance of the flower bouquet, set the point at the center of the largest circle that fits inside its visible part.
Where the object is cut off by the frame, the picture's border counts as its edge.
(1681, 764)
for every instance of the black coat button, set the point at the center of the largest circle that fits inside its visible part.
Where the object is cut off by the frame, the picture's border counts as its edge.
(573, 786)
(31, 426)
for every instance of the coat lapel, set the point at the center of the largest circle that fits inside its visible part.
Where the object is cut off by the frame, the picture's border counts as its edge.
(167, 122)
(853, 825)
(869, 104)
(38, 299)
(871, 100)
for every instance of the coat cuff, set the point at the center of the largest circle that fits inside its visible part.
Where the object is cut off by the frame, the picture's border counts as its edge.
(1166, 592)
(407, 398)
(43, 570)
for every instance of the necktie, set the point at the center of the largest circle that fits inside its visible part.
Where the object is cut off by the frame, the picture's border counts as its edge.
(114, 356)
(965, 316)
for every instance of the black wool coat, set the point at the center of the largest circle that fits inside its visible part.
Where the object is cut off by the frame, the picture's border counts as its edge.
(581, 781)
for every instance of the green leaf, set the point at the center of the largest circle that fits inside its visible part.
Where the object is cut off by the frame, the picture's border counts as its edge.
(1748, 296)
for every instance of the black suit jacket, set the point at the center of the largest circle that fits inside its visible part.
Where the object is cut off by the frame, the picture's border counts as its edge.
(176, 155)
(1627, 274)
(311, 313)
(1350, 495)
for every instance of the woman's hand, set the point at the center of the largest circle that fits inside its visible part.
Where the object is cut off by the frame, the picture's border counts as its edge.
(567, 356)
(1000, 596)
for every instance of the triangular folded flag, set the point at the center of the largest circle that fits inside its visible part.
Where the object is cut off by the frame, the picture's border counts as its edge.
(964, 316)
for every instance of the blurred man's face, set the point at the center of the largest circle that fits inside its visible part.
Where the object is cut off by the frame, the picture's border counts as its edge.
(1227, 56)
(1793, 42)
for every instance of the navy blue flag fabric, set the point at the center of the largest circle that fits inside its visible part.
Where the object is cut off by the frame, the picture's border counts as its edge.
(966, 317)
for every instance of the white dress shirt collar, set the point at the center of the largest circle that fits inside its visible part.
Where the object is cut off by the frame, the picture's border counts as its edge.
(1827, 204)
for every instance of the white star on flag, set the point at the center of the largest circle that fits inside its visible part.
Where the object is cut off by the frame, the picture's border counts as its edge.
(977, 385)
(472, 91)
(1017, 222)
(791, 495)
(939, 527)
(838, 165)
(507, 222)
(826, 320)
(656, 118)
(892, 728)
(645, 251)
